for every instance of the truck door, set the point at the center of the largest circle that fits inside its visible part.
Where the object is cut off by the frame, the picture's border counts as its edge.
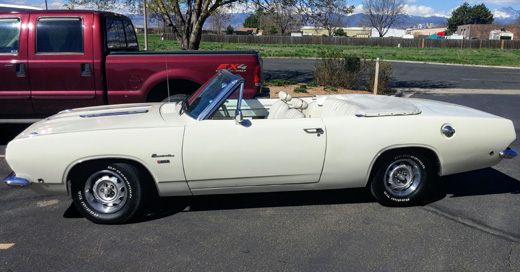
(15, 90)
(61, 62)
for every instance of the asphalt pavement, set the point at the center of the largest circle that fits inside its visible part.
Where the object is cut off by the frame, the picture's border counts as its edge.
(471, 223)
(411, 75)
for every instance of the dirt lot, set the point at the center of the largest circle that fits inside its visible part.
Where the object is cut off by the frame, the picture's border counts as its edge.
(311, 91)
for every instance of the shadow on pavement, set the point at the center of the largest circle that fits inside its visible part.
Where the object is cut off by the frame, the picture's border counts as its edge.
(426, 84)
(486, 181)
(481, 182)
(298, 76)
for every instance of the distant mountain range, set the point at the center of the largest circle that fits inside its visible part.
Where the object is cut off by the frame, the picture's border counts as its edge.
(503, 16)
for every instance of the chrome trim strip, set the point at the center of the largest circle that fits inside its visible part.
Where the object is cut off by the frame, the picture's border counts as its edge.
(508, 153)
(113, 114)
(13, 180)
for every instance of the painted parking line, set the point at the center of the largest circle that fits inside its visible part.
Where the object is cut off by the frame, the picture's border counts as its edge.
(6, 246)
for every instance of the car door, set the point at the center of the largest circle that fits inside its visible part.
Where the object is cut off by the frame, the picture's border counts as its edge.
(221, 153)
(61, 62)
(15, 91)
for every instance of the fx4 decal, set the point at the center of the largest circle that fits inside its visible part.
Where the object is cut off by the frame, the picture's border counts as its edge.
(239, 68)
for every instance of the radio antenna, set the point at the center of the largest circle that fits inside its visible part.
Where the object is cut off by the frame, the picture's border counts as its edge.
(167, 77)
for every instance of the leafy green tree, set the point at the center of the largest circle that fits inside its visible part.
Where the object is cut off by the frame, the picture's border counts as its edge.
(253, 20)
(229, 30)
(339, 32)
(466, 15)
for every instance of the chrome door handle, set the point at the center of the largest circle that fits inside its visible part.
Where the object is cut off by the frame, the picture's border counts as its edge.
(318, 131)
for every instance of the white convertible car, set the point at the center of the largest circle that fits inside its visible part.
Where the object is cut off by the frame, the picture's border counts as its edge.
(110, 158)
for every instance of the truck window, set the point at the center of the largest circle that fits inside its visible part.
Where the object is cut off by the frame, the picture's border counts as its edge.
(9, 35)
(120, 34)
(59, 35)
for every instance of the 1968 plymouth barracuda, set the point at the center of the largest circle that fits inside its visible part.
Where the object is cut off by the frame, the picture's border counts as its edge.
(110, 158)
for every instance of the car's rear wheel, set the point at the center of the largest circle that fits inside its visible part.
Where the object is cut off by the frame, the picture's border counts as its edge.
(401, 179)
(109, 193)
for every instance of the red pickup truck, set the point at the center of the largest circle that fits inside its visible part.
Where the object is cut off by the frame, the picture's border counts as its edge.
(54, 60)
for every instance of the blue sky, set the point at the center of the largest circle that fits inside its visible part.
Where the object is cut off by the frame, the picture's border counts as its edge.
(413, 7)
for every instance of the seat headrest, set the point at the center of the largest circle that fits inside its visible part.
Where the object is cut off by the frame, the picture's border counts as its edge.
(285, 97)
(299, 104)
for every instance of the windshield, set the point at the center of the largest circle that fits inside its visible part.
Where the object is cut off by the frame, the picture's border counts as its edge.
(210, 94)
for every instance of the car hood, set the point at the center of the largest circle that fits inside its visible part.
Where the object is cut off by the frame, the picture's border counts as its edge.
(98, 118)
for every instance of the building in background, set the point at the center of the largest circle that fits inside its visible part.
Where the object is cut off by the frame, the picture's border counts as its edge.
(355, 32)
(483, 32)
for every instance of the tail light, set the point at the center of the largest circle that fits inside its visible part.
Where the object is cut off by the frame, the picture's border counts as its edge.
(258, 76)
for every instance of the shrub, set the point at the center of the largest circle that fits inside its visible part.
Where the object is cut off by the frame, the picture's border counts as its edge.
(281, 82)
(385, 73)
(331, 88)
(312, 84)
(300, 90)
(335, 69)
(229, 30)
(339, 32)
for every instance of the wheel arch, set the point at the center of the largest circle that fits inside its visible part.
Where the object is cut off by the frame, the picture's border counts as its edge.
(425, 151)
(77, 169)
(174, 77)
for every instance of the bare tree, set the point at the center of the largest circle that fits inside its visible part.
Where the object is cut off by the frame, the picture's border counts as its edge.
(383, 14)
(219, 20)
(284, 15)
(329, 14)
(186, 17)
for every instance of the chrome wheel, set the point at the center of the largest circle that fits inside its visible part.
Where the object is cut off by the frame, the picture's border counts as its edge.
(106, 191)
(402, 177)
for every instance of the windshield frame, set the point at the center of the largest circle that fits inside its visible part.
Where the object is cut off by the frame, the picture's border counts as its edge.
(212, 88)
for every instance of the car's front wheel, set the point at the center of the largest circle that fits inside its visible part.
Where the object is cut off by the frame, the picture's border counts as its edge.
(401, 179)
(109, 193)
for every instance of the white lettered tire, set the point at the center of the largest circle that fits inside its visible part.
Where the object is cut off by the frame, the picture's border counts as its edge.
(109, 193)
(401, 179)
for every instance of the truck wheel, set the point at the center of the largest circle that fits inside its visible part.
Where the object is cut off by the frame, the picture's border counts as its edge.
(109, 194)
(401, 180)
(175, 98)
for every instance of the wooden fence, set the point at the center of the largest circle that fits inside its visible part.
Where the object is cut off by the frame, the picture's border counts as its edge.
(383, 42)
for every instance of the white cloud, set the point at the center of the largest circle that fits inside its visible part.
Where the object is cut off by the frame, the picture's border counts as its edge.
(423, 11)
(495, 2)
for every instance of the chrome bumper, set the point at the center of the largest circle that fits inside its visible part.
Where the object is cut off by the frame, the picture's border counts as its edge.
(13, 180)
(508, 154)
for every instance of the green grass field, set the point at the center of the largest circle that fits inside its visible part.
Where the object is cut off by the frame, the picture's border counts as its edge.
(494, 57)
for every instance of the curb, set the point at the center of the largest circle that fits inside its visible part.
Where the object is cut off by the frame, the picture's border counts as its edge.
(407, 92)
